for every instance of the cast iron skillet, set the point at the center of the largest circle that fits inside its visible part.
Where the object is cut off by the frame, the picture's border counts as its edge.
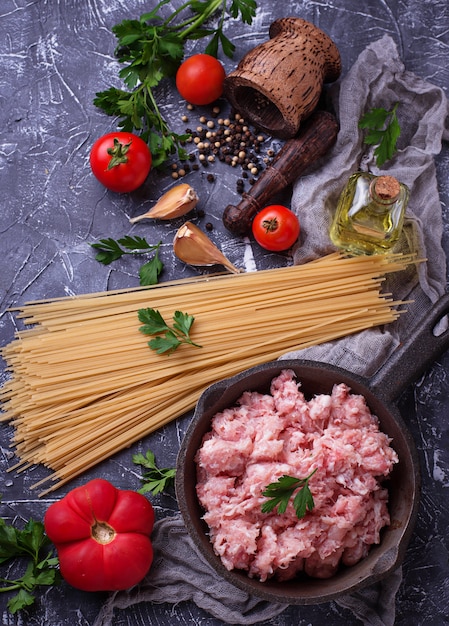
(381, 392)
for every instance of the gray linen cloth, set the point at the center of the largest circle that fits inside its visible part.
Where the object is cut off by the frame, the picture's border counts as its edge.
(377, 79)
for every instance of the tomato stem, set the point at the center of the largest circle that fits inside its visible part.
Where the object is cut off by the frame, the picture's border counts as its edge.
(271, 225)
(118, 153)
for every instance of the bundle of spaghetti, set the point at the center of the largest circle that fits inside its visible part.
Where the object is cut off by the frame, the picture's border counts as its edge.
(84, 384)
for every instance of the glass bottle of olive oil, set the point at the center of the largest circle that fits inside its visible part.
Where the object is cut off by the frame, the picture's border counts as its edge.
(369, 214)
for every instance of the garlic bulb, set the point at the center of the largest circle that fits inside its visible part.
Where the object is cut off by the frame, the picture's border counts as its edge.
(174, 203)
(192, 246)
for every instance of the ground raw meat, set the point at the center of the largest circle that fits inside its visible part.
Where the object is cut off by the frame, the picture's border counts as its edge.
(266, 436)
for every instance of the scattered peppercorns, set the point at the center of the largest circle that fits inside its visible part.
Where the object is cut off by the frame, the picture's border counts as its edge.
(227, 140)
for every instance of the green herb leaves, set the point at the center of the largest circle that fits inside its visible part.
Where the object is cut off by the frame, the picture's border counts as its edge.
(41, 570)
(155, 479)
(151, 49)
(110, 250)
(383, 132)
(280, 492)
(168, 338)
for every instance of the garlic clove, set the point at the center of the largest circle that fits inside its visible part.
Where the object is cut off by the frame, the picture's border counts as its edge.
(193, 247)
(176, 202)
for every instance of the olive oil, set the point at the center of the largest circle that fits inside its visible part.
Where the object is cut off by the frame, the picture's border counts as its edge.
(370, 214)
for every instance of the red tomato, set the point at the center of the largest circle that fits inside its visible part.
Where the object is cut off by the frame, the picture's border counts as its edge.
(200, 78)
(276, 228)
(102, 536)
(120, 161)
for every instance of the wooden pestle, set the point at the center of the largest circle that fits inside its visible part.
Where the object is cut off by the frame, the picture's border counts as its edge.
(315, 138)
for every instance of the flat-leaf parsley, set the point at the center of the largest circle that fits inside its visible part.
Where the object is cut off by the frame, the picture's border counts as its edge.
(155, 479)
(110, 250)
(383, 132)
(33, 545)
(168, 338)
(280, 492)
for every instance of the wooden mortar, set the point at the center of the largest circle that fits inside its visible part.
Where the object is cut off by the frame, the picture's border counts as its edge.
(278, 83)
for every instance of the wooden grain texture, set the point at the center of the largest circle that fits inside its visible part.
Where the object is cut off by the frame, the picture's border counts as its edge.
(278, 83)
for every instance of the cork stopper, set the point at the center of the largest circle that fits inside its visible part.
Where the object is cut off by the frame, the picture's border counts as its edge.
(386, 188)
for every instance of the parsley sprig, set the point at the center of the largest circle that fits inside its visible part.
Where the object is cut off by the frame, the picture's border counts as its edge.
(111, 249)
(280, 492)
(155, 479)
(383, 132)
(168, 338)
(151, 49)
(31, 544)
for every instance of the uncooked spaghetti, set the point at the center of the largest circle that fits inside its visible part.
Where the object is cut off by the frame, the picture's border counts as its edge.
(84, 384)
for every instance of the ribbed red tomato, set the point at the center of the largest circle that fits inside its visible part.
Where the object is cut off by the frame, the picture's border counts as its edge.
(199, 79)
(102, 536)
(120, 161)
(276, 228)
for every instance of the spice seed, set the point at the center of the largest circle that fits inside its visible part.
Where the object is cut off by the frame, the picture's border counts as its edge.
(231, 141)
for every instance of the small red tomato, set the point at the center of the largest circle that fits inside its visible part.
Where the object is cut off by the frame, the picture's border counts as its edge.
(199, 79)
(120, 161)
(276, 228)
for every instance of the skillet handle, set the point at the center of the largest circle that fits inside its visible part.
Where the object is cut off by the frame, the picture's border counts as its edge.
(415, 356)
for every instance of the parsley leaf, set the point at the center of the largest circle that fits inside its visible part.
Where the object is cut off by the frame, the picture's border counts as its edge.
(173, 337)
(149, 272)
(280, 492)
(383, 131)
(155, 479)
(110, 250)
(183, 322)
(28, 544)
(22, 599)
(151, 48)
(153, 322)
(137, 243)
